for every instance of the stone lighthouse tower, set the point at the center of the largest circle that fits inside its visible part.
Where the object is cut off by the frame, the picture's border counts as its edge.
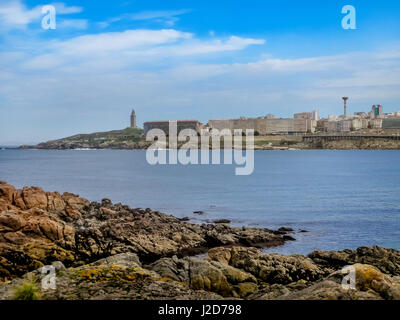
(133, 119)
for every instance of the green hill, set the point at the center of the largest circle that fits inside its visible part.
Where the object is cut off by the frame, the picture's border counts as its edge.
(129, 138)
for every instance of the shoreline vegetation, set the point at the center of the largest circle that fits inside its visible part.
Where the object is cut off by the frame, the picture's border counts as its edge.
(133, 138)
(102, 250)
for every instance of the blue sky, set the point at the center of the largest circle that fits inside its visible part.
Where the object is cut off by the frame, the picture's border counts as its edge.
(189, 60)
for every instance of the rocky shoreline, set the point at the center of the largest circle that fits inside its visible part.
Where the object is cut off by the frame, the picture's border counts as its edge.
(111, 251)
(367, 144)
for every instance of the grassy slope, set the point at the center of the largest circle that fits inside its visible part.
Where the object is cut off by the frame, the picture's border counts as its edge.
(128, 134)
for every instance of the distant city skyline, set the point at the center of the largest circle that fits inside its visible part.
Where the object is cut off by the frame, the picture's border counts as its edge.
(196, 60)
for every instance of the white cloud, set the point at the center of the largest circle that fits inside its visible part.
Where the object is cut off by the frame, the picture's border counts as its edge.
(300, 64)
(378, 77)
(14, 14)
(119, 41)
(128, 49)
(46, 61)
(166, 17)
(203, 47)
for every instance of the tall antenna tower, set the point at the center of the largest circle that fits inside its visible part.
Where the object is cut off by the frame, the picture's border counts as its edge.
(345, 106)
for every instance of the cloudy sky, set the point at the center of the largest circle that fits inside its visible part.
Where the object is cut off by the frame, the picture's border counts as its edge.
(189, 60)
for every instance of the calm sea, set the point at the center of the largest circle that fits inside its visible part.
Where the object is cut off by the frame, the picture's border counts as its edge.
(345, 199)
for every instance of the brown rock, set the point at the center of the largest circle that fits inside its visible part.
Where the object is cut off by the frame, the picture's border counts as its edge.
(270, 268)
(244, 289)
(107, 211)
(4, 205)
(74, 201)
(370, 278)
(199, 274)
(220, 254)
(386, 260)
(11, 221)
(18, 200)
(7, 192)
(34, 197)
(55, 202)
(371, 284)
(204, 276)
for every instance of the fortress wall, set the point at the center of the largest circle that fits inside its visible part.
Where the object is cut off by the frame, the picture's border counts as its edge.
(301, 125)
(188, 125)
(243, 124)
(278, 125)
(266, 126)
(221, 124)
(164, 126)
(260, 125)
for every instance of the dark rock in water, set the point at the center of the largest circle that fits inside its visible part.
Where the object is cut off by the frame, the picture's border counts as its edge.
(304, 231)
(198, 212)
(184, 219)
(288, 238)
(105, 202)
(222, 221)
(284, 229)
